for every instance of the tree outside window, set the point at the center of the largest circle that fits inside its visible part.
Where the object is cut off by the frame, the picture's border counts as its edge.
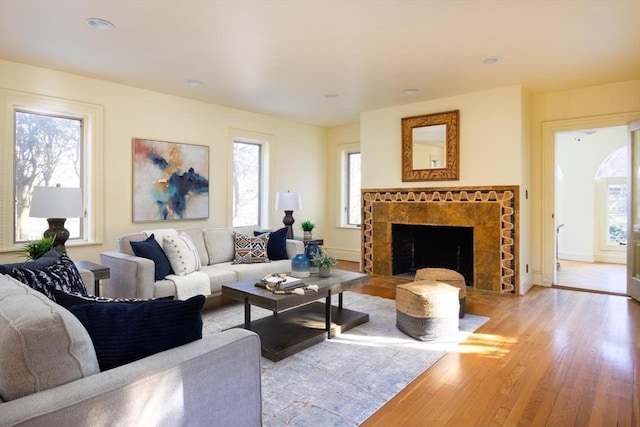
(247, 182)
(47, 152)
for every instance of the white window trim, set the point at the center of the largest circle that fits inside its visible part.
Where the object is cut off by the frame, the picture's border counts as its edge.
(343, 181)
(93, 118)
(265, 140)
(601, 199)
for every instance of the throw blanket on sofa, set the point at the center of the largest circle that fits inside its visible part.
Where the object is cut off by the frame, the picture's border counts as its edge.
(192, 284)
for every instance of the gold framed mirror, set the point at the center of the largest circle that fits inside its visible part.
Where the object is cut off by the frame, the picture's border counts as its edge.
(430, 147)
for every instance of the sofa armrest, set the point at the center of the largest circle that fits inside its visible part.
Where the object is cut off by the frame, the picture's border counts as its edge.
(130, 276)
(89, 281)
(294, 247)
(215, 380)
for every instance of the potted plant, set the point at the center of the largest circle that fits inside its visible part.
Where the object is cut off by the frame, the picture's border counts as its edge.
(324, 262)
(307, 226)
(34, 249)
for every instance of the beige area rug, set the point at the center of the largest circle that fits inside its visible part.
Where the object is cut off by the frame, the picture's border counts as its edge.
(343, 381)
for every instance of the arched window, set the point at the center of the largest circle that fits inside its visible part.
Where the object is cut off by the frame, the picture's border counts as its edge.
(611, 200)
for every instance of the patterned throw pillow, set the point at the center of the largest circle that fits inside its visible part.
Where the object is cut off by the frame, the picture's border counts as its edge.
(62, 275)
(250, 250)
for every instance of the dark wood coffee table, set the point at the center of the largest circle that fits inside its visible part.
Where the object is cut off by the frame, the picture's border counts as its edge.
(298, 321)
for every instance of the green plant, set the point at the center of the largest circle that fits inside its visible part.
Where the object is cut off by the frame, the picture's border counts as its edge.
(34, 249)
(307, 225)
(323, 260)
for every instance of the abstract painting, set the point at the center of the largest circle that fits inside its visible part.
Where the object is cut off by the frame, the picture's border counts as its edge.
(170, 181)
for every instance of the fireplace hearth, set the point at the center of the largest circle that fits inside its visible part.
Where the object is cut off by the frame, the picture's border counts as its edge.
(417, 246)
(491, 212)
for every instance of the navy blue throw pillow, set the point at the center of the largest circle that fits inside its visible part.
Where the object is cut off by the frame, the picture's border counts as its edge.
(62, 275)
(150, 249)
(122, 333)
(277, 245)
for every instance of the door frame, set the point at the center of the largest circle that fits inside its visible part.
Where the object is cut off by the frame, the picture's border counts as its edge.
(633, 283)
(549, 129)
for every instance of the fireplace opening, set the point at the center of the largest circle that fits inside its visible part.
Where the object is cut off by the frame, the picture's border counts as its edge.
(416, 246)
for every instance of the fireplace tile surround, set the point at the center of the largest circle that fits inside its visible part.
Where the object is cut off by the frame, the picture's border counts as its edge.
(492, 211)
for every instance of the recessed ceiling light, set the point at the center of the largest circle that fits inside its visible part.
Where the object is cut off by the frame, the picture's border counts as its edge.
(410, 91)
(194, 82)
(491, 60)
(331, 95)
(100, 24)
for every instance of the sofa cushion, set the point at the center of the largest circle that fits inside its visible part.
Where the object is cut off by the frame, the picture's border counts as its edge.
(150, 249)
(42, 345)
(62, 275)
(250, 249)
(219, 243)
(277, 246)
(69, 299)
(123, 333)
(182, 254)
(197, 237)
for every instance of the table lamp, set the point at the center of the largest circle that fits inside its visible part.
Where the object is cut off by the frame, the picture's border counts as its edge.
(56, 204)
(288, 202)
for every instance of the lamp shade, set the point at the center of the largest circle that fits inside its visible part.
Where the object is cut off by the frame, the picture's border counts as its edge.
(56, 202)
(288, 201)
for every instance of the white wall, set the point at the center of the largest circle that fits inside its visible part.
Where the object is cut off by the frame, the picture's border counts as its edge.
(490, 140)
(297, 157)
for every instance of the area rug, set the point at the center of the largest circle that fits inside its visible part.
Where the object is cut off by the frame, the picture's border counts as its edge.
(343, 381)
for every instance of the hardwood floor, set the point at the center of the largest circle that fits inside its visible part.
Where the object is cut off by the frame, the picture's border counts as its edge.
(594, 276)
(554, 357)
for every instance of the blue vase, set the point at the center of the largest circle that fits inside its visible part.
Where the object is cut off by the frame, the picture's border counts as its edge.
(300, 266)
(310, 250)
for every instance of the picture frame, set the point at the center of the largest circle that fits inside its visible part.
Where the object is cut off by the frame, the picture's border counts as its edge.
(170, 181)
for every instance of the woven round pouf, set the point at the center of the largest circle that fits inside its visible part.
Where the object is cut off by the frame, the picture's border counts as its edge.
(427, 310)
(449, 277)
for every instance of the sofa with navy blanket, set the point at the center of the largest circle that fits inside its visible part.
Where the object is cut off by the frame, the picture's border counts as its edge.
(68, 358)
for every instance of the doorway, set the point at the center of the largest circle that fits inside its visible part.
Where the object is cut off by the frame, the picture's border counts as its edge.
(591, 208)
(550, 233)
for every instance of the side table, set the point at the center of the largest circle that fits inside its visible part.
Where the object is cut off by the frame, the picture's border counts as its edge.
(319, 242)
(99, 272)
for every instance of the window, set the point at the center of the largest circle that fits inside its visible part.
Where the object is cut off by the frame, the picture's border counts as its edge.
(350, 182)
(49, 141)
(611, 201)
(47, 152)
(353, 193)
(247, 183)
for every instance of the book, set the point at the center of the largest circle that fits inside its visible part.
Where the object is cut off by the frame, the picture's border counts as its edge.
(284, 283)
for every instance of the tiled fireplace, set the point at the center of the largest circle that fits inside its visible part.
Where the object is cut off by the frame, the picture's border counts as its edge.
(492, 212)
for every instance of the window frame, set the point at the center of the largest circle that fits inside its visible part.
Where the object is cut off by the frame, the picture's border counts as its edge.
(264, 141)
(344, 151)
(92, 117)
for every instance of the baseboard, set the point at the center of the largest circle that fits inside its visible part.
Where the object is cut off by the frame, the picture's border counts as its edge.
(344, 254)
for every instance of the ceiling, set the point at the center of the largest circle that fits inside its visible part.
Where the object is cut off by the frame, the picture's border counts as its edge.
(323, 62)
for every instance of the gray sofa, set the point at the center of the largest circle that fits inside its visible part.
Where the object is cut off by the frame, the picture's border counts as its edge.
(133, 277)
(49, 375)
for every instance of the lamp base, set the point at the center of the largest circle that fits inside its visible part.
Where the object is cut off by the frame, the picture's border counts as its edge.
(58, 232)
(288, 223)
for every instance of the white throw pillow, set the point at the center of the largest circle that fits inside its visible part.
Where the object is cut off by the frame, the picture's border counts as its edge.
(182, 253)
